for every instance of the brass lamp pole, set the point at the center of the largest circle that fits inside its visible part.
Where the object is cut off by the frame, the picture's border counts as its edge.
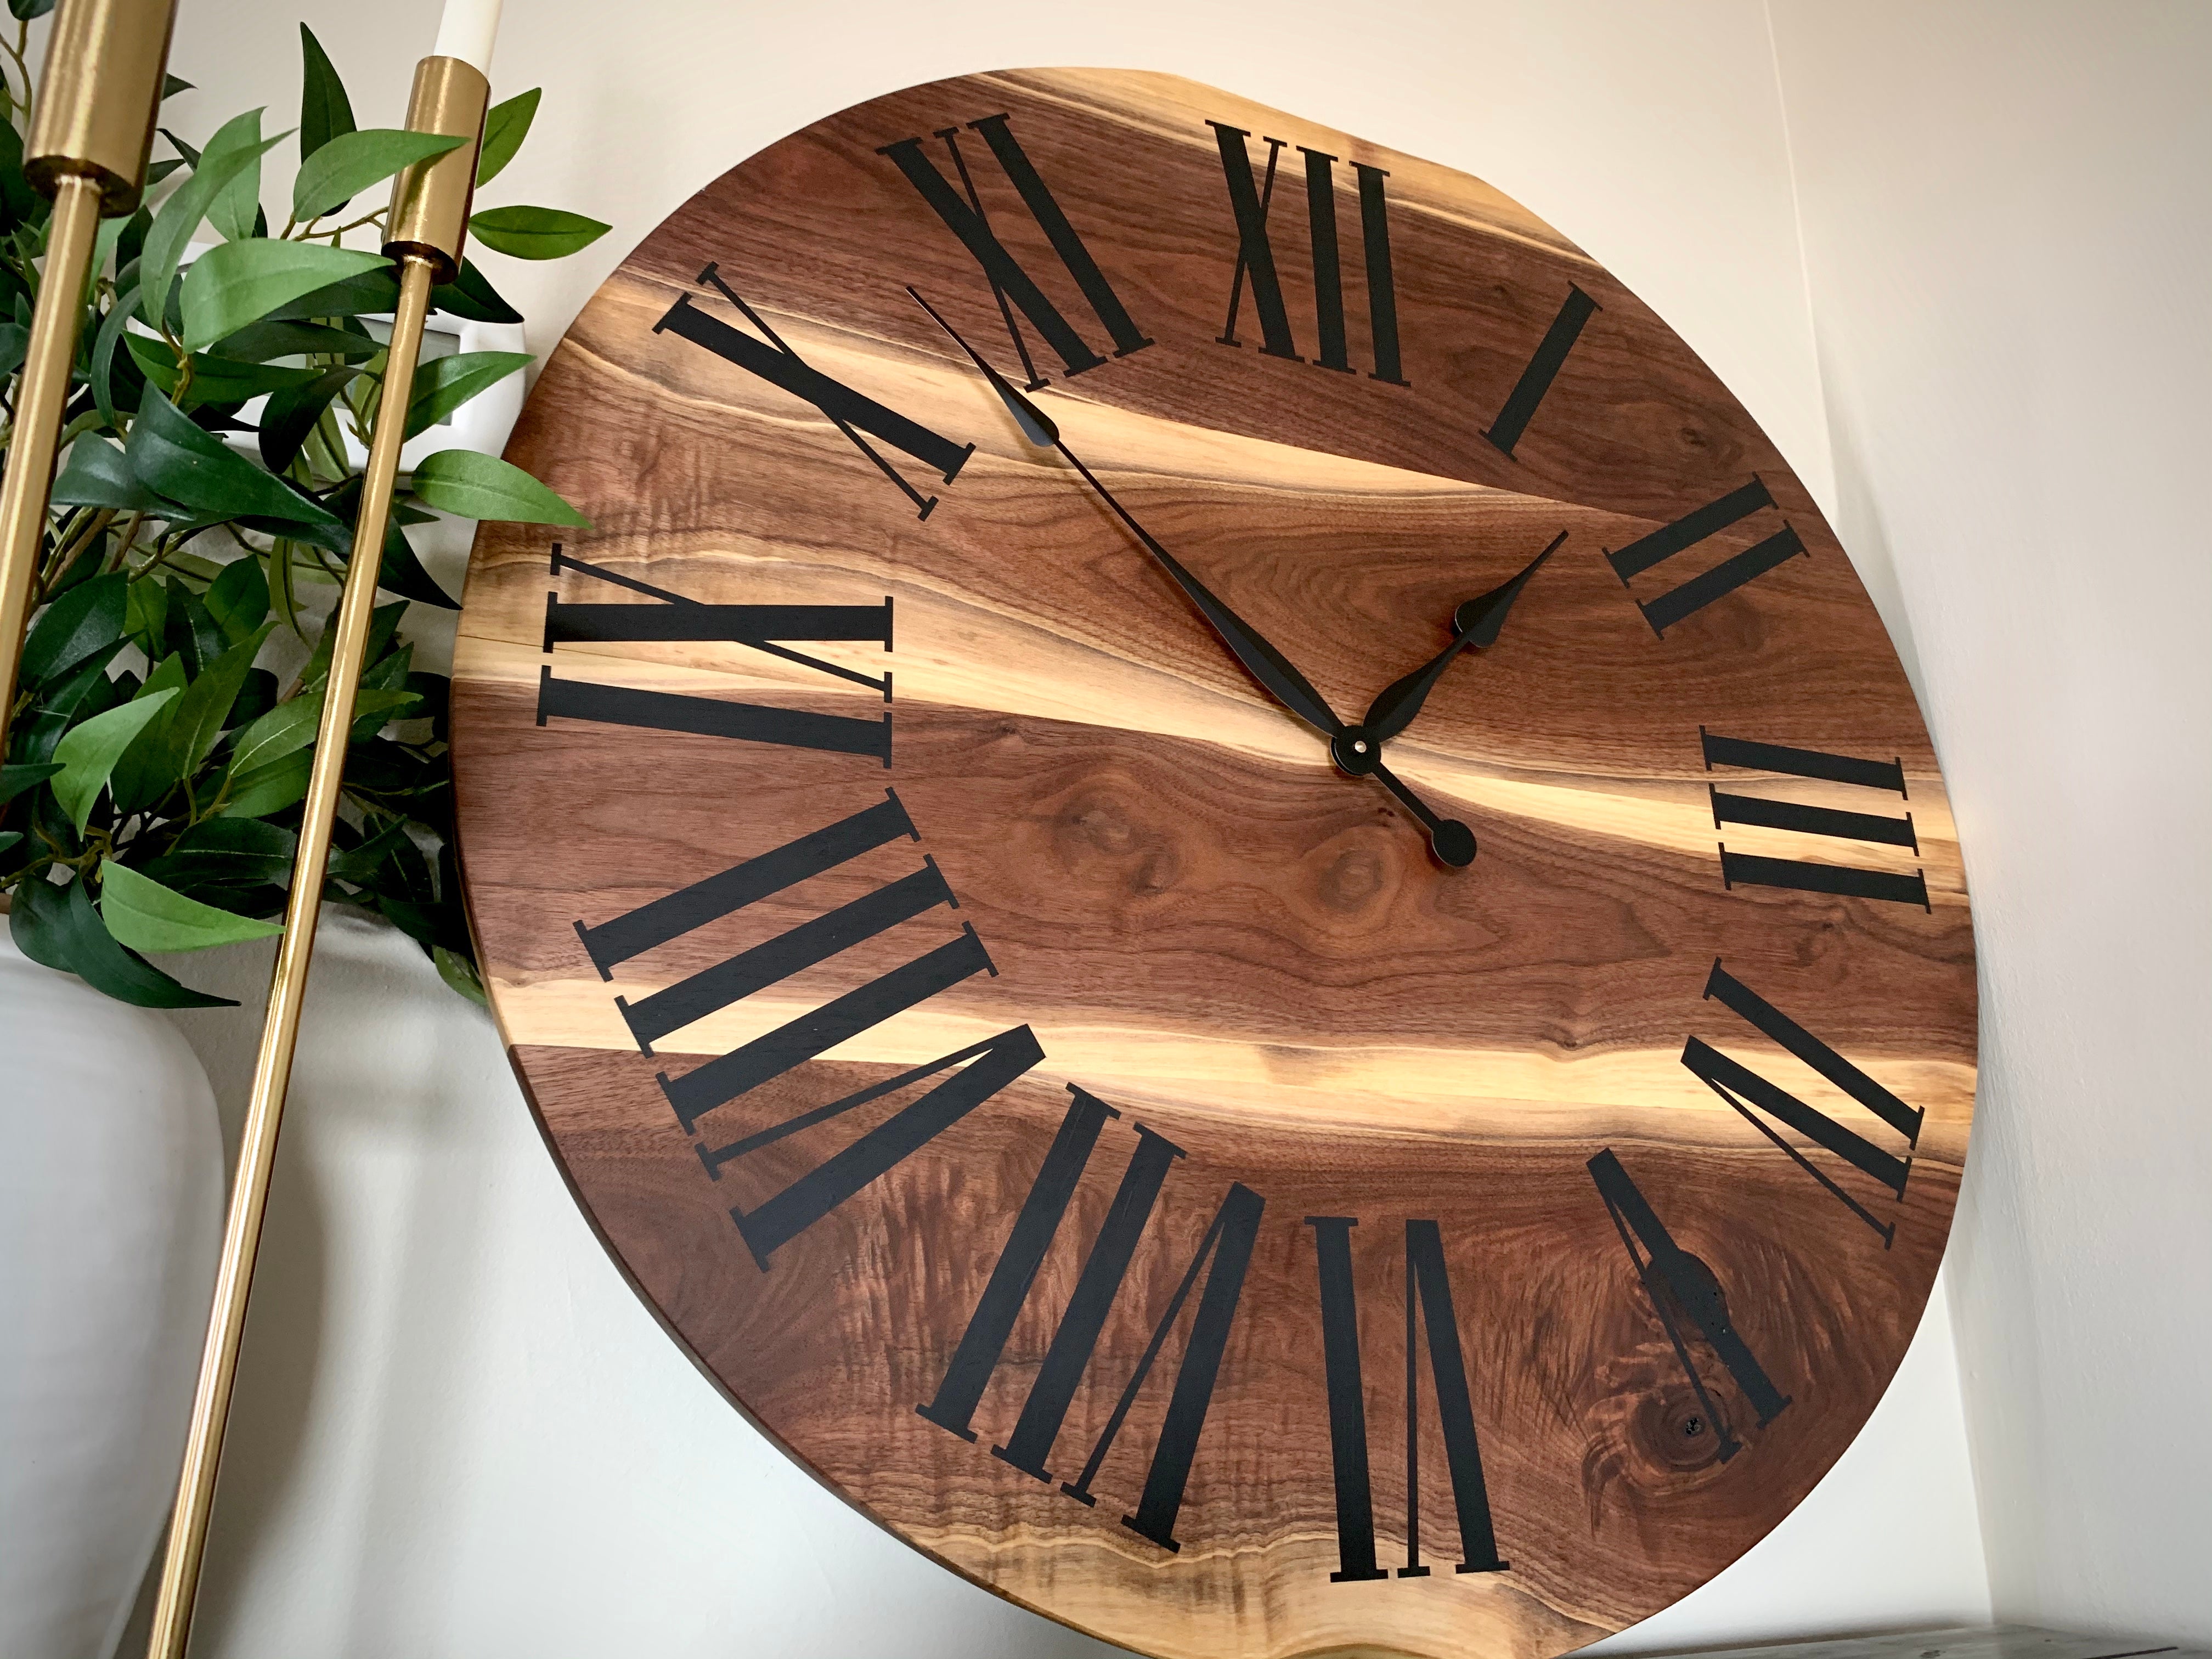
(423, 234)
(91, 131)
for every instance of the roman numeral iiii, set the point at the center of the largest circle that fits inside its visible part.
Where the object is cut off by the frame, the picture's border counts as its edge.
(1222, 1257)
(1725, 578)
(1428, 1295)
(983, 1068)
(1013, 287)
(1251, 205)
(1803, 874)
(678, 618)
(1682, 1288)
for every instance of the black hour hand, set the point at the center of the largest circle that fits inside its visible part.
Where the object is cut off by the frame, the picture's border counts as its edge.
(1477, 624)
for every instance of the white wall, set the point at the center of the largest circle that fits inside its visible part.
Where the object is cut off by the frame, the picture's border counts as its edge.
(2008, 222)
(457, 1432)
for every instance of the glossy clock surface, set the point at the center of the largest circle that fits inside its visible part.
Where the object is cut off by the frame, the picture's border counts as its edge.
(1090, 1128)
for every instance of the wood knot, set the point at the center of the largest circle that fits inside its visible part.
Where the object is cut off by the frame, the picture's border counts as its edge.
(1355, 878)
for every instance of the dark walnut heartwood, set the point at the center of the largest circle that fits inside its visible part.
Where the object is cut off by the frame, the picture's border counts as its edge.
(1086, 1127)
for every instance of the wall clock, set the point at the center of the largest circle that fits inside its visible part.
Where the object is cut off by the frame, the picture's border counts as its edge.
(1213, 877)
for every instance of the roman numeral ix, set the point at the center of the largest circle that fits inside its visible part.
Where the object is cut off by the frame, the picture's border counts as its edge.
(849, 411)
(1682, 1288)
(1013, 287)
(1748, 1093)
(983, 1068)
(1251, 205)
(1222, 1257)
(1725, 578)
(678, 618)
(1802, 874)
(1428, 1297)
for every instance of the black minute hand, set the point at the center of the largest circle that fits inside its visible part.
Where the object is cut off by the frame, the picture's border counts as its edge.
(1476, 623)
(1266, 663)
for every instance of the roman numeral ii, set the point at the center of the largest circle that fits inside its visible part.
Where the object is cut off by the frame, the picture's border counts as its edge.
(1012, 287)
(1251, 205)
(1802, 874)
(1428, 1295)
(1222, 1257)
(985, 1067)
(1725, 578)
(759, 626)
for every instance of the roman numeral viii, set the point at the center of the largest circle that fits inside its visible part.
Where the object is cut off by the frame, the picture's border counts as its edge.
(1725, 578)
(1683, 1289)
(678, 618)
(1428, 1295)
(1744, 1090)
(1012, 287)
(849, 411)
(1756, 810)
(1222, 1257)
(1250, 204)
(984, 1067)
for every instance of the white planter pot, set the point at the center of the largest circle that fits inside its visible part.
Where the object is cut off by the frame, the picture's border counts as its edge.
(111, 1196)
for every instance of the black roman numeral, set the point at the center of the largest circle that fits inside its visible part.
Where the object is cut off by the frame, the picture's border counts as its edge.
(1542, 369)
(1744, 1089)
(1800, 873)
(1725, 578)
(1428, 1293)
(986, 1067)
(1682, 1287)
(1222, 1257)
(759, 626)
(848, 411)
(1255, 257)
(1013, 287)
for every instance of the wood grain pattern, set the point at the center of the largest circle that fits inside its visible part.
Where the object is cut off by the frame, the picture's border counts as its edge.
(1203, 923)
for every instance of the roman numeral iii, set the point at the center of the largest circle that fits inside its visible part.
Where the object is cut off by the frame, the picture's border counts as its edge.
(1683, 1289)
(1251, 205)
(984, 1068)
(1429, 1311)
(1802, 874)
(1748, 1093)
(1012, 287)
(758, 626)
(1725, 578)
(1222, 1257)
(849, 411)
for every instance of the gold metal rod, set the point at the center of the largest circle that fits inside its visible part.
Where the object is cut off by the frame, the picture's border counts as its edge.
(39, 399)
(288, 986)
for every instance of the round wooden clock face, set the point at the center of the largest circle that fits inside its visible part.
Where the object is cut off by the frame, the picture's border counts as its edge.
(987, 923)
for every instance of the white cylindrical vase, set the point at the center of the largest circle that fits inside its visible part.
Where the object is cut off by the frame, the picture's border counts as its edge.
(110, 1214)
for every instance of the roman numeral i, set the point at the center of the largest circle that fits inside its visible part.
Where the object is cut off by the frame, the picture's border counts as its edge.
(1222, 1257)
(982, 1069)
(1250, 204)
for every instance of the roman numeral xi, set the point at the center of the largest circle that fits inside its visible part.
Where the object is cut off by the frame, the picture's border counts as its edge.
(1250, 204)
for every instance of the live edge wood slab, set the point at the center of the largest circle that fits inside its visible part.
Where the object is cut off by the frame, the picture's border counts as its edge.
(1077, 1122)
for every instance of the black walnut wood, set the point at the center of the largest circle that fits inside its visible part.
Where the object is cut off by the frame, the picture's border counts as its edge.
(1285, 1016)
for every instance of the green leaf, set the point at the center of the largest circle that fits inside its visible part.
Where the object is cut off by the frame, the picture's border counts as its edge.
(173, 84)
(147, 620)
(28, 9)
(459, 972)
(236, 145)
(88, 753)
(269, 788)
(535, 233)
(193, 630)
(471, 297)
(238, 599)
(198, 469)
(144, 915)
(143, 773)
(226, 852)
(400, 571)
(356, 864)
(505, 128)
(205, 709)
(14, 780)
(239, 282)
(235, 205)
(104, 386)
(325, 112)
(60, 702)
(191, 156)
(59, 926)
(383, 624)
(444, 384)
(257, 342)
(97, 474)
(290, 415)
(87, 618)
(350, 163)
(376, 291)
(289, 728)
(215, 379)
(477, 486)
